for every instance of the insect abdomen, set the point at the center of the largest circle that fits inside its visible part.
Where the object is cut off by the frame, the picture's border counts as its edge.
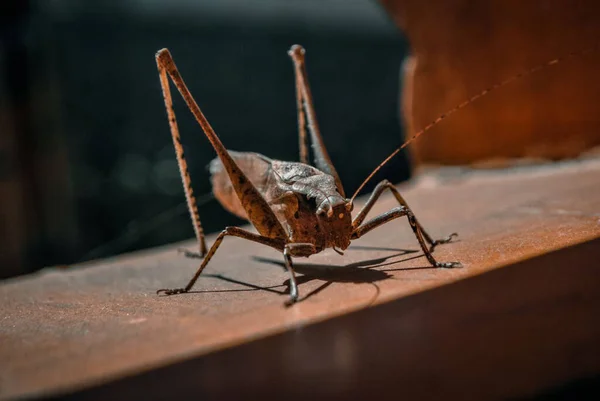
(255, 166)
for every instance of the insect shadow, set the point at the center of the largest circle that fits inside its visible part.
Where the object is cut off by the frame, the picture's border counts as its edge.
(364, 271)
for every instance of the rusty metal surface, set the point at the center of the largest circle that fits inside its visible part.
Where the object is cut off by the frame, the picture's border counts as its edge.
(464, 47)
(528, 331)
(61, 330)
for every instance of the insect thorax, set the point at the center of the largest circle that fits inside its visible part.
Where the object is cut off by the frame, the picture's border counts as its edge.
(304, 199)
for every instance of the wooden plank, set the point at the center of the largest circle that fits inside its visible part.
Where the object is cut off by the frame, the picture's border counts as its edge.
(67, 330)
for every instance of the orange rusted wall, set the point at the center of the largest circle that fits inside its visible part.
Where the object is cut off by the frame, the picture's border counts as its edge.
(461, 47)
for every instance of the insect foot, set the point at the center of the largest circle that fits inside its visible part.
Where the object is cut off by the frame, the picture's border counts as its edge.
(287, 256)
(448, 265)
(190, 254)
(173, 291)
(292, 299)
(446, 240)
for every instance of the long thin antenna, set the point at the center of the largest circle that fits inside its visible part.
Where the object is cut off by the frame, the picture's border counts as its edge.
(469, 101)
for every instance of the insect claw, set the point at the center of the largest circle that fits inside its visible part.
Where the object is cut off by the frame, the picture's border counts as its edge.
(190, 254)
(443, 240)
(168, 292)
(291, 300)
(447, 239)
(293, 293)
(449, 265)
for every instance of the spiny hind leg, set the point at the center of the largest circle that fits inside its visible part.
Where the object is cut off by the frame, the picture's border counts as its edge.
(303, 145)
(229, 231)
(382, 186)
(304, 102)
(256, 207)
(394, 214)
(183, 169)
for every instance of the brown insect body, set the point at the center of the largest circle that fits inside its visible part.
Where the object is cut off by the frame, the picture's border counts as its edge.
(304, 199)
(298, 208)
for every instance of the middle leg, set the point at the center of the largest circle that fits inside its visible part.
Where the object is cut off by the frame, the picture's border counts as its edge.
(229, 231)
(295, 249)
(382, 186)
(394, 214)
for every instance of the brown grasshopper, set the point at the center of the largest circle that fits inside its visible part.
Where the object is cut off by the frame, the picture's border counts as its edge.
(297, 208)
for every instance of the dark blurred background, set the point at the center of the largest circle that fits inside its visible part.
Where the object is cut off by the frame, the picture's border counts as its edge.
(87, 167)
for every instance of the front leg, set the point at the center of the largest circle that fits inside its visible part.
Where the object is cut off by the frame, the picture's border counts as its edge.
(394, 214)
(382, 186)
(231, 231)
(295, 249)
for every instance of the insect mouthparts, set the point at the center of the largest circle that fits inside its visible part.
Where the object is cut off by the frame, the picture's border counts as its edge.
(325, 209)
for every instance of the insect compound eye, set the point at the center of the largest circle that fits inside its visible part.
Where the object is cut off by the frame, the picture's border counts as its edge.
(341, 216)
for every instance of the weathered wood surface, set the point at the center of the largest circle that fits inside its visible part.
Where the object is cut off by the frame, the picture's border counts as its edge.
(66, 330)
